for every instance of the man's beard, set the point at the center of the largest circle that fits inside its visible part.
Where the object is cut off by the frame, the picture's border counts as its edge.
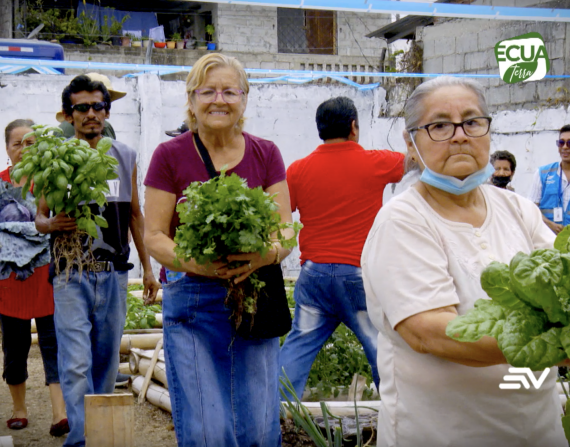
(92, 135)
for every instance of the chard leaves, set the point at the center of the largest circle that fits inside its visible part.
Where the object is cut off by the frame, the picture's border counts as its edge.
(487, 318)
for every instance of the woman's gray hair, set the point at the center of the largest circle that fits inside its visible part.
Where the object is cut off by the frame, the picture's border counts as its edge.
(414, 109)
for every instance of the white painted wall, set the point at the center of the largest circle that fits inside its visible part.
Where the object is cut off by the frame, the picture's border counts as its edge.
(282, 113)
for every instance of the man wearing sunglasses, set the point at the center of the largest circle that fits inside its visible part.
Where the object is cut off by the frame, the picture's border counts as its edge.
(551, 190)
(90, 308)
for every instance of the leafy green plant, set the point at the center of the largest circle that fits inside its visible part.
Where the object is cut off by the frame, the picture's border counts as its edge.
(117, 26)
(58, 24)
(140, 316)
(223, 216)
(88, 29)
(529, 310)
(342, 356)
(210, 30)
(176, 37)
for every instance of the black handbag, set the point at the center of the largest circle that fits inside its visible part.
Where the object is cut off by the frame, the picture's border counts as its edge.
(273, 317)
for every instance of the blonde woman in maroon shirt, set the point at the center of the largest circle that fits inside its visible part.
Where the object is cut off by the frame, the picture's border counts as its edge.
(20, 301)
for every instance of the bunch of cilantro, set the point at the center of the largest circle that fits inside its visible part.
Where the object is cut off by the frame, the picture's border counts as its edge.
(223, 216)
(529, 309)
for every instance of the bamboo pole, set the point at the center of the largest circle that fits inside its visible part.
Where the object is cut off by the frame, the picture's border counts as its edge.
(150, 370)
(124, 368)
(342, 408)
(155, 394)
(143, 341)
(159, 373)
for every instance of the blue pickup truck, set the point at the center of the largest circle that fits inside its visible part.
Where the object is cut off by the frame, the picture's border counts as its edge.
(29, 49)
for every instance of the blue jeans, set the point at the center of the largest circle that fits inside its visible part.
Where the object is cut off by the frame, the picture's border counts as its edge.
(223, 389)
(326, 295)
(90, 315)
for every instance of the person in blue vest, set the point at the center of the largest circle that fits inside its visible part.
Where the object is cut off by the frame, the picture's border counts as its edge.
(551, 190)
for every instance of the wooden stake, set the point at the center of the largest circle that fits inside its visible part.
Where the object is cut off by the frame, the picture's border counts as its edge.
(150, 370)
(109, 420)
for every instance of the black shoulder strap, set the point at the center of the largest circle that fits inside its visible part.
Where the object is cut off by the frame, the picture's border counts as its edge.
(205, 156)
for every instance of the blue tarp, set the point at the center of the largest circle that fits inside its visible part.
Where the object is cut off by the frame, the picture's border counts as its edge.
(142, 21)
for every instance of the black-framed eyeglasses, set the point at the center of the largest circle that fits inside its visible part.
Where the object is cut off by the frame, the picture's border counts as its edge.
(83, 108)
(209, 95)
(562, 142)
(444, 130)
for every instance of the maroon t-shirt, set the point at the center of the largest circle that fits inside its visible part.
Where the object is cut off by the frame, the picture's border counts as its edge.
(176, 163)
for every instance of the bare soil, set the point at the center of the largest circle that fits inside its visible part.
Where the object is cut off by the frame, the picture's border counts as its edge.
(153, 426)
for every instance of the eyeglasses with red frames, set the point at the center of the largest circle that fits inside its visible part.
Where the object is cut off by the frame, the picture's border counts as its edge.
(561, 143)
(209, 95)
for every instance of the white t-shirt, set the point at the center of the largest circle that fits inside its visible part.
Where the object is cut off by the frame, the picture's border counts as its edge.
(414, 261)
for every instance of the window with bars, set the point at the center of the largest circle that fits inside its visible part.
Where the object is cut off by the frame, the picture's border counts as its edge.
(306, 31)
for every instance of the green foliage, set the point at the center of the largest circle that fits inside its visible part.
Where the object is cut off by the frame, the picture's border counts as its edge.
(342, 356)
(58, 23)
(223, 216)
(529, 310)
(89, 29)
(140, 316)
(210, 30)
(176, 37)
(67, 173)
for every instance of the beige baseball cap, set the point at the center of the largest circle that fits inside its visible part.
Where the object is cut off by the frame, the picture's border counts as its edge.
(115, 94)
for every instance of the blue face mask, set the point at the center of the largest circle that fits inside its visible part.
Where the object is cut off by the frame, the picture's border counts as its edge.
(451, 184)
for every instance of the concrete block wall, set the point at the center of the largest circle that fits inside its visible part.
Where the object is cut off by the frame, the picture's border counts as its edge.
(247, 28)
(351, 29)
(467, 46)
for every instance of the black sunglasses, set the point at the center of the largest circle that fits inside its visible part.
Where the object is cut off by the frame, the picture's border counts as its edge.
(83, 108)
(561, 143)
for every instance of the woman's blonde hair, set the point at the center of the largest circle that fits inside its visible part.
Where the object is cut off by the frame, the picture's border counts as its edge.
(199, 73)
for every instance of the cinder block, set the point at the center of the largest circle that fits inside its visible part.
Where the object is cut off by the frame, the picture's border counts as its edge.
(498, 95)
(488, 38)
(556, 67)
(453, 63)
(475, 61)
(445, 47)
(434, 65)
(523, 92)
(465, 44)
(555, 49)
(267, 65)
(429, 48)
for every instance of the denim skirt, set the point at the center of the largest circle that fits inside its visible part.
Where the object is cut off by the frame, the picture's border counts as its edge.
(223, 388)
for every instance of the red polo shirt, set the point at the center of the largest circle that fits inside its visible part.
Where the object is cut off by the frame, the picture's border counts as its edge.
(338, 191)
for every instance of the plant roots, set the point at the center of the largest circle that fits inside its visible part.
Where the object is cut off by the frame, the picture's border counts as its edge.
(68, 247)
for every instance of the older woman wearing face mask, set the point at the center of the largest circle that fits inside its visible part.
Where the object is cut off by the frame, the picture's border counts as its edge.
(20, 301)
(223, 387)
(421, 265)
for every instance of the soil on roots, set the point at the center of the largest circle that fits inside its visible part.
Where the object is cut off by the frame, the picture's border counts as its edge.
(68, 247)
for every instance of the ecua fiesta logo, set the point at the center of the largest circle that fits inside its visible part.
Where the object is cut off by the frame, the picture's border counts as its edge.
(522, 58)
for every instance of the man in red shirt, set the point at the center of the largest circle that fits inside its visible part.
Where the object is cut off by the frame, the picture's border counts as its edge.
(338, 191)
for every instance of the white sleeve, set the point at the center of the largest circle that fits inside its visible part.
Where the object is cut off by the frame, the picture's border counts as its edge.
(535, 194)
(405, 272)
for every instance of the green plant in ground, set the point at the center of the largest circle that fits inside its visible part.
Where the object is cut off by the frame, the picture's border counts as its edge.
(140, 316)
(58, 23)
(342, 356)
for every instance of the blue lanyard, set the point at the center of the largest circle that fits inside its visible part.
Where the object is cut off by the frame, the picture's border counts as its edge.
(560, 192)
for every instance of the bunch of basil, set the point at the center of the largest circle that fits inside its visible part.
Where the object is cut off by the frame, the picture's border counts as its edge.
(529, 310)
